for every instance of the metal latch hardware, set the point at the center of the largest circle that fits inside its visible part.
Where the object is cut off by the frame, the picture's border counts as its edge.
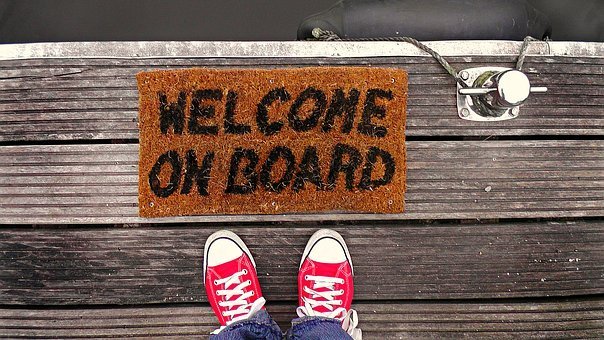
(492, 93)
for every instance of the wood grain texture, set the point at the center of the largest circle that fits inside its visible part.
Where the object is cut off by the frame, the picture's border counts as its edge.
(267, 49)
(46, 184)
(519, 279)
(66, 99)
(576, 318)
(160, 264)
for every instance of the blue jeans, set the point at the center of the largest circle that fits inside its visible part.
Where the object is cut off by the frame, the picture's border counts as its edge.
(262, 326)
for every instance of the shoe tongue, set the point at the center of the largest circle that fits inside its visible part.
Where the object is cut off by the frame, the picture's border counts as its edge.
(327, 270)
(228, 268)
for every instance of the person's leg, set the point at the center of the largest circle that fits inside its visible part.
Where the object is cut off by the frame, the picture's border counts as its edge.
(229, 274)
(325, 291)
(320, 328)
(258, 326)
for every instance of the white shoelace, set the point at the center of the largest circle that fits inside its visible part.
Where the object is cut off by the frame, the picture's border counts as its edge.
(244, 309)
(348, 318)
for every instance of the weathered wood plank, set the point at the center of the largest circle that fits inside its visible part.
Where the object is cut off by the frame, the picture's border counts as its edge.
(445, 180)
(177, 49)
(125, 68)
(577, 318)
(54, 99)
(433, 261)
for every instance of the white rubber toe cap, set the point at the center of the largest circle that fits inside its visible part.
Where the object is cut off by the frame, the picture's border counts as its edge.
(327, 250)
(221, 247)
(223, 250)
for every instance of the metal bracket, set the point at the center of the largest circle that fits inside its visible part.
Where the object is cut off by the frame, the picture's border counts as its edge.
(492, 93)
(465, 104)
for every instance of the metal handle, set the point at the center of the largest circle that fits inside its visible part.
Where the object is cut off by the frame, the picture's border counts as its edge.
(473, 91)
(538, 89)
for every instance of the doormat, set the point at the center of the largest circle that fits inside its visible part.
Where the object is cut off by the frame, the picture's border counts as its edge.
(259, 141)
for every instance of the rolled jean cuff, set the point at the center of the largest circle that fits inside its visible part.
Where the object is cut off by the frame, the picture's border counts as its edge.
(317, 328)
(258, 326)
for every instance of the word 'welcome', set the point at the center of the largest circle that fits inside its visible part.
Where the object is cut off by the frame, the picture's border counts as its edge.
(202, 108)
(271, 141)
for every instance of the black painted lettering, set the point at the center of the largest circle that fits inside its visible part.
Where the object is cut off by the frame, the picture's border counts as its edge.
(249, 172)
(341, 105)
(172, 114)
(370, 110)
(312, 120)
(265, 127)
(200, 111)
(338, 165)
(267, 167)
(230, 126)
(199, 175)
(366, 182)
(171, 157)
(310, 171)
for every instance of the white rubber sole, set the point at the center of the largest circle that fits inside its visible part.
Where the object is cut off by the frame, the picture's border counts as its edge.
(326, 233)
(228, 235)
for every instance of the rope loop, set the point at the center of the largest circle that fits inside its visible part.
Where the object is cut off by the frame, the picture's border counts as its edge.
(324, 35)
(524, 51)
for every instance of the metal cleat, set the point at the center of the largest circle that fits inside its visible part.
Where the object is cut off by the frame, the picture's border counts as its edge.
(492, 93)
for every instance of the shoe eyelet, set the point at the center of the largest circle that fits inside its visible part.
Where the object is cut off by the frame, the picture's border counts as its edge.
(215, 282)
(245, 272)
(249, 282)
(252, 293)
(341, 291)
(306, 277)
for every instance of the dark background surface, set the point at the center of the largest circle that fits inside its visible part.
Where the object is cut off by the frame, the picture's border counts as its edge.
(102, 20)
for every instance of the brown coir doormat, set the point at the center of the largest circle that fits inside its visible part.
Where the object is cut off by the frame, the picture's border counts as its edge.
(251, 141)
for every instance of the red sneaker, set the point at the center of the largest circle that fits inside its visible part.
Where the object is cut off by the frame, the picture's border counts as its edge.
(325, 281)
(230, 278)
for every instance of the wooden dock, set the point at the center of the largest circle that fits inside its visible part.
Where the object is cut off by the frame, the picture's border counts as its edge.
(502, 235)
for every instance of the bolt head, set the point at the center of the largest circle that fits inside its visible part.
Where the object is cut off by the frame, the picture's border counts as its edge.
(464, 112)
(464, 75)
